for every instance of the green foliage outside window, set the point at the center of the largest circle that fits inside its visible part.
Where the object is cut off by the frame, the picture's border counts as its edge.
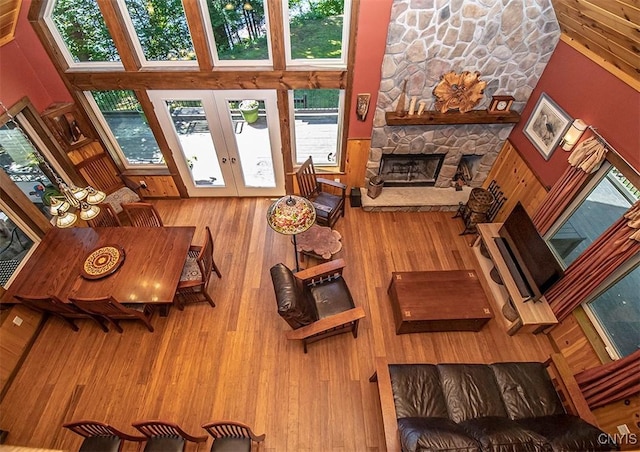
(83, 30)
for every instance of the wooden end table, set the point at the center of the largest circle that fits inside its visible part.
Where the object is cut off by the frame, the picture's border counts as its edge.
(447, 300)
(319, 242)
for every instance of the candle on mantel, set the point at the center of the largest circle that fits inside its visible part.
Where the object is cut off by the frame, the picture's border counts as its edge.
(412, 105)
(421, 106)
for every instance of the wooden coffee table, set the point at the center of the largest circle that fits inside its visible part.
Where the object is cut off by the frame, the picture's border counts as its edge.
(447, 300)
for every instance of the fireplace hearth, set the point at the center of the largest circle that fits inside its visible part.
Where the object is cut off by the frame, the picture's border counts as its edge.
(410, 170)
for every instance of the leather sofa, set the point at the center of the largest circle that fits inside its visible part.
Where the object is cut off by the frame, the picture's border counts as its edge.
(494, 407)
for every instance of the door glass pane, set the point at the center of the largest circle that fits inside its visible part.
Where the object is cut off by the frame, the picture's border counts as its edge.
(192, 130)
(82, 28)
(18, 160)
(161, 27)
(128, 124)
(618, 313)
(316, 30)
(606, 203)
(316, 113)
(239, 29)
(251, 133)
(14, 245)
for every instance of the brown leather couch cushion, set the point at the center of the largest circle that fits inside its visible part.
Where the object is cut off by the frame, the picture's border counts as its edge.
(527, 390)
(416, 391)
(470, 391)
(500, 434)
(293, 306)
(434, 433)
(567, 432)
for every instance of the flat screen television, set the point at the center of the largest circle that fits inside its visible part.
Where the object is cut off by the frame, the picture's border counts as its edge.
(531, 262)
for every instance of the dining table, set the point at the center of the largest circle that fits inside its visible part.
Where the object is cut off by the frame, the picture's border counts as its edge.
(130, 264)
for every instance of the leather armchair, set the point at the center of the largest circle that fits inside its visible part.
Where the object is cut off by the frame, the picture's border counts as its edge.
(316, 302)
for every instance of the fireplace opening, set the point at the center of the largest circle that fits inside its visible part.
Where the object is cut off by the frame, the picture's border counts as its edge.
(410, 170)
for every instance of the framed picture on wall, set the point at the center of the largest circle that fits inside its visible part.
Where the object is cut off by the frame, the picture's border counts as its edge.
(547, 125)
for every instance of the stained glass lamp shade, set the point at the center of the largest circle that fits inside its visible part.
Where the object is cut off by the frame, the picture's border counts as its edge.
(291, 215)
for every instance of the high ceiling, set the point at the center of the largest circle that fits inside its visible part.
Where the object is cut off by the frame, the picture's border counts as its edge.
(608, 28)
(9, 10)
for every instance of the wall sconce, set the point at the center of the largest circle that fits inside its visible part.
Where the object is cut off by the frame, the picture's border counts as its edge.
(573, 134)
(362, 106)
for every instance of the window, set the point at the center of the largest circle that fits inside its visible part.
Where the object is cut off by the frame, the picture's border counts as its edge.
(597, 209)
(19, 162)
(316, 125)
(161, 29)
(316, 32)
(81, 33)
(616, 312)
(238, 31)
(16, 242)
(126, 125)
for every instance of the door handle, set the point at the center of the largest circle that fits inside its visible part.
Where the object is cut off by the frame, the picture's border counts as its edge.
(233, 160)
(224, 160)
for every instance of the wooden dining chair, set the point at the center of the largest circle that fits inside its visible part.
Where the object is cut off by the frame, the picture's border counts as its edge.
(230, 435)
(326, 195)
(107, 218)
(112, 311)
(100, 436)
(53, 306)
(142, 214)
(196, 273)
(163, 436)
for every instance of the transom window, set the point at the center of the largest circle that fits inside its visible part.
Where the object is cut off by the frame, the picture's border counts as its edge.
(238, 32)
(161, 31)
(79, 29)
(315, 32)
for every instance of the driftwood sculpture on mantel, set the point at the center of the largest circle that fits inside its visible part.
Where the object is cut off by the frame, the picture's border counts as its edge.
(459, 91)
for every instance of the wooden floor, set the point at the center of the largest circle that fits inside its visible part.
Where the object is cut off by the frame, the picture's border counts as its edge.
(233, 361)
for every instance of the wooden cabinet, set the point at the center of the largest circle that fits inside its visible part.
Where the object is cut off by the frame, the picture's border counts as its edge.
(67, 126)
(532, 316)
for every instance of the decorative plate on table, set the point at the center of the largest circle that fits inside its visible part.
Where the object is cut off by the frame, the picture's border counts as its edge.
(102, 262)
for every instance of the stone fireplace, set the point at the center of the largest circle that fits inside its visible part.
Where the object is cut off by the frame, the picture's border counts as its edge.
(509, 43)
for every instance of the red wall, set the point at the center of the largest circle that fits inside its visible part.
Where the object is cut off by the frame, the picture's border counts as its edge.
(372, 36)
(586, 91)
(579, 86)
(26, 70)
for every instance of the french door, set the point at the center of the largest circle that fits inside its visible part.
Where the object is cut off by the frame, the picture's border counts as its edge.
(218, 152)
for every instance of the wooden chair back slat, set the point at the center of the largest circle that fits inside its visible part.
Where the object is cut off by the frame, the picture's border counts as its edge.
(158, 428)
(231, 429)
(110, 310)
(307, 180)
(100, 172)
(107, 218)
(142, 214)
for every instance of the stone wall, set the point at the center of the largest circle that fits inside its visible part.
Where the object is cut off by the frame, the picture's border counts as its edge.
(509, 42)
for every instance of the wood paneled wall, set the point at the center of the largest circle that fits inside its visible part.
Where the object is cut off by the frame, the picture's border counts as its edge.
(516, 180)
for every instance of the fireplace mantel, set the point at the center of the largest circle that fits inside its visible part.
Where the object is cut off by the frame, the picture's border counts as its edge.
(451, 117)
